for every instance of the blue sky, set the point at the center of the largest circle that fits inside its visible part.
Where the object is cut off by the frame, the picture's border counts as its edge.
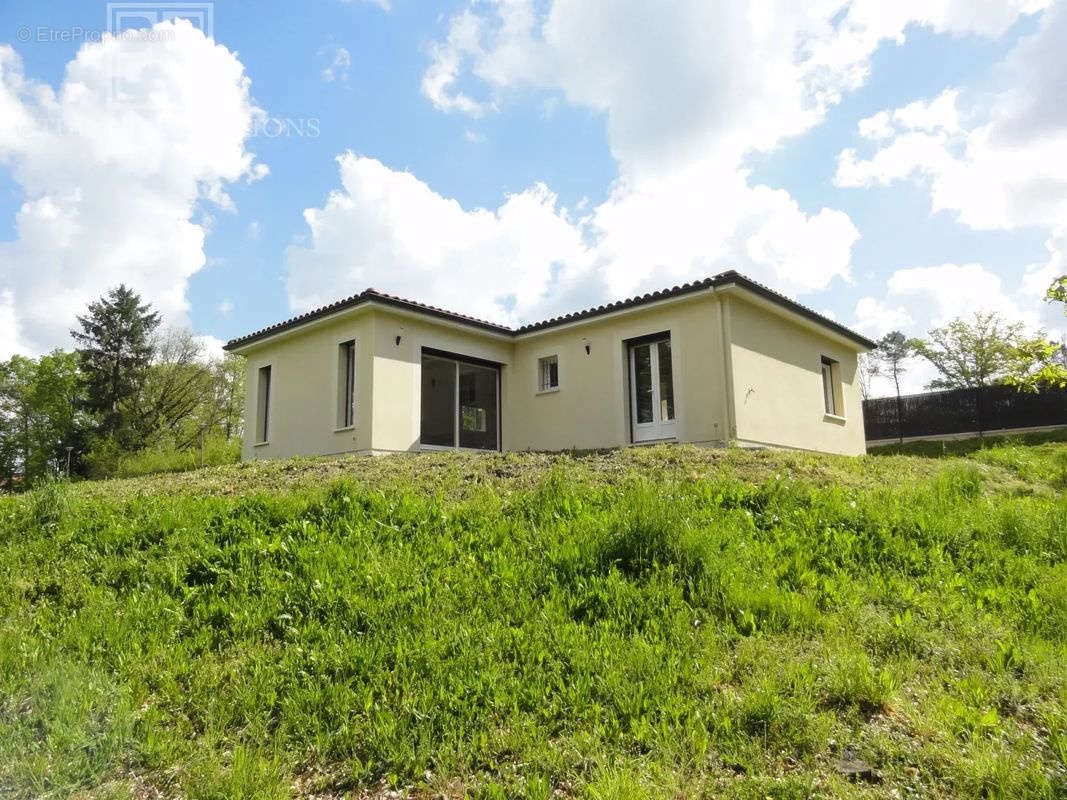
(611, 147)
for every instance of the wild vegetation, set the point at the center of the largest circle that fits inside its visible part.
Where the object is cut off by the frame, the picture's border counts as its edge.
(133, 398)
(665, 622)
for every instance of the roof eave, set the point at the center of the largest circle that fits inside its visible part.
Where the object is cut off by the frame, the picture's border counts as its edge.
(740, 281)
(723, 281)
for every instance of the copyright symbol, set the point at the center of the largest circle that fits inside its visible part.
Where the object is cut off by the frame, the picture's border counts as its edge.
(24, 33)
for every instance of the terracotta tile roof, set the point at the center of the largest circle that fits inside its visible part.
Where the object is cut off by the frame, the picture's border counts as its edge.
(722, 279)
(630, 302)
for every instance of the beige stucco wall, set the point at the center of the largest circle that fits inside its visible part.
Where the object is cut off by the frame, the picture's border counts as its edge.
(771, 370)
(777, 383)
(398, 372)
(592, 407)
(304, 391)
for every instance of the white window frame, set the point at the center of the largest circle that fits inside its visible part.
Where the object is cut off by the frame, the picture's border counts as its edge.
(658, 430)
(543, 378)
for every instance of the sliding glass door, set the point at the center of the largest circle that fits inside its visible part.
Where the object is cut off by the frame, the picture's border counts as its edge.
(460, 404)
(652, 391)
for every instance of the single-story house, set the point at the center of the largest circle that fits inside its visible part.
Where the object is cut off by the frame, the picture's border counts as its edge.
(722, 360)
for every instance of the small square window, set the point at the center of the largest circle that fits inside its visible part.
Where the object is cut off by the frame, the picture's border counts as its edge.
(547, 373)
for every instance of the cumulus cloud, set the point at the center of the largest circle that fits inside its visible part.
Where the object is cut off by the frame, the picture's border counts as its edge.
(694, 78)
(114, 166)
(449, 58)
(919, 298)
(385, 225)
(995, 161)
(688, 90)
(531, 258)
(704, 219)
(210, 348)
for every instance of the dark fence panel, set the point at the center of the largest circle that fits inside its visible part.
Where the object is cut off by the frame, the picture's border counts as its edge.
(963, 411)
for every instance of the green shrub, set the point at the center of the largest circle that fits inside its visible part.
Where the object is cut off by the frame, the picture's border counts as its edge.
(217, 450)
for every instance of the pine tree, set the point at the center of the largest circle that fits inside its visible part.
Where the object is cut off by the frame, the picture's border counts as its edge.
(115, 348)
(889, 358)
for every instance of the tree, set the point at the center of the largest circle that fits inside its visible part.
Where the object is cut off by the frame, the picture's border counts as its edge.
(1038, 364)
(176, 390)
(866, 368)
(888, 359)
(38, 417)
(115, 351)
(229, 394)
(1057, 292)
(971, 355)
(990, 351)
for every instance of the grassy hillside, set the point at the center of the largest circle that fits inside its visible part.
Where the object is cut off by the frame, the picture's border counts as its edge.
(663, 622)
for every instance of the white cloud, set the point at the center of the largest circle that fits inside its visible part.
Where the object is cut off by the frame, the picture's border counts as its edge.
(1038, 277)
(114, 167)
(688, 90)
(253, 230)
(226, 306)
(9, 338)
(530, 258)
(449, 57)
(693, 78)
(390, 230)
(703, 219)
(920, 298)
(942, 293)
(876, 317)
(210, 348)
(338, 62)
(995, 161)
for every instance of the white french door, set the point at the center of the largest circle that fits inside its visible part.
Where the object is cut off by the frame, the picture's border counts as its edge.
(652, 391)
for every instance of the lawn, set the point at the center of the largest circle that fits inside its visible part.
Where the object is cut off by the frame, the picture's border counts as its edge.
(654, 623)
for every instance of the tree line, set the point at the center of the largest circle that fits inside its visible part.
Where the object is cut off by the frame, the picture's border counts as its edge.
(985, 350)
(129, 387)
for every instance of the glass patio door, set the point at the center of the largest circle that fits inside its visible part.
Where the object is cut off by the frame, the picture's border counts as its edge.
(652, 391)
(460, 405)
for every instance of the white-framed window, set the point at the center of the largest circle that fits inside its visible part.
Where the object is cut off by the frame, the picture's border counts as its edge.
(346, 384)
(263, 405)
(547, 373)
(831, 392)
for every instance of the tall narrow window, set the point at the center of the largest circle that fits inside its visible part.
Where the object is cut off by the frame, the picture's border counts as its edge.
(346, 384)
(547, 373)
(263, 405)
(829, 390)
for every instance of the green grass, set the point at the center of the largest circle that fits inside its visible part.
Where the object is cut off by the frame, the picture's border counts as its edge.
(964, 447)
(654, 623)
(217, 451)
